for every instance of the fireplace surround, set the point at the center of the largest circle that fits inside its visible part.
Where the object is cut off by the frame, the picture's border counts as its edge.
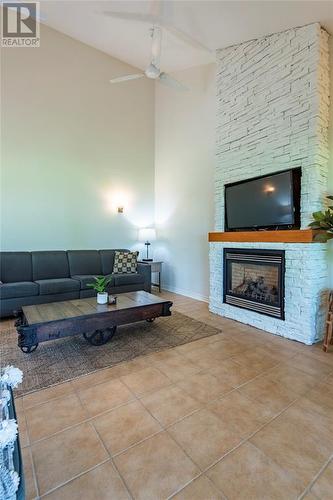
(254, 279)
(272, 115)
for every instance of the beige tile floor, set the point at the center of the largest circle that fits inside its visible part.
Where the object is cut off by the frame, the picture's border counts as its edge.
(242, 414)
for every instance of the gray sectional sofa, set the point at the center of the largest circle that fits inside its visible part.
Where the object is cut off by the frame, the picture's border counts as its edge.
(49, 276)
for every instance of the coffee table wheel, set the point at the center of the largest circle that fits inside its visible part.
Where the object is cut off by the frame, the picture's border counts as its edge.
(100, 337)
(150, 320)
(28, 349)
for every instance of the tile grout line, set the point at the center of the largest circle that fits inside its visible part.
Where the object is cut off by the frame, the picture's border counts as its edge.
(137, 399)
(89, 422)
(34, 474)
(90, 418)
(74, 477)
(108, 453)
(113, 462)
(131, 446)
(316, 477)
(249, 437)
(163, 429)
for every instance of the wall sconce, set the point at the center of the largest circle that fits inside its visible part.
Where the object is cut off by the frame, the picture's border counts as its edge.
(118, 201)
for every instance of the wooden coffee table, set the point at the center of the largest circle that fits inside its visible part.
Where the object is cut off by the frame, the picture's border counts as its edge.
(97, 323)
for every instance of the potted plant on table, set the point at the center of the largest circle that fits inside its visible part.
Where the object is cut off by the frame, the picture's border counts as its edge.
(100, 286)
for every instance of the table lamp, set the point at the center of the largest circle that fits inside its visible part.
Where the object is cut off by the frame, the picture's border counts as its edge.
(146, 234)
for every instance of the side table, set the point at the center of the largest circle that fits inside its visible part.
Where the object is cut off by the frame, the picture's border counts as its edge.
(156, 268)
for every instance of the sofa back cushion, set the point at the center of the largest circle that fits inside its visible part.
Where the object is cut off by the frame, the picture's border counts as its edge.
(15, 266)
(49, 265)
(84, 262)
(107, 258)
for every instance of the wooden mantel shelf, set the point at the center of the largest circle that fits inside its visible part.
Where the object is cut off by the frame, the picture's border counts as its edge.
(287, 236)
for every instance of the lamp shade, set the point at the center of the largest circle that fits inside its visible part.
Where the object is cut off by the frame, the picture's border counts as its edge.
(147, 234)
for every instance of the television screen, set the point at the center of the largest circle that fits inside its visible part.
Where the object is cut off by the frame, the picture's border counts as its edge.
(264, 202)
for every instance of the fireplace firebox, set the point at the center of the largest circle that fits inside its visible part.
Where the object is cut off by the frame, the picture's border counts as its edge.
(254, 280)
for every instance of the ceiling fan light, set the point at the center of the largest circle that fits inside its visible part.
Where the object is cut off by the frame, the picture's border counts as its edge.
(152, 72)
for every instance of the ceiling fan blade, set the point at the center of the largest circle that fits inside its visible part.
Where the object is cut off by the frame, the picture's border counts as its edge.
(186, 38)
(169, 81)
(130, 16)
(159, 19)
(156, 46)
(156, 8)
(126, 78)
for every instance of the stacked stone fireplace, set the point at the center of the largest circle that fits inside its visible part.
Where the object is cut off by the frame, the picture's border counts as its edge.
(273, 107)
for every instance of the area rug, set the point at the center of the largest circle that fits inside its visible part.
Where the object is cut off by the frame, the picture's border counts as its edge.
(64, 359)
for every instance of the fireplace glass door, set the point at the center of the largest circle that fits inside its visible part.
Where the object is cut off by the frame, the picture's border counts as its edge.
(254, 280)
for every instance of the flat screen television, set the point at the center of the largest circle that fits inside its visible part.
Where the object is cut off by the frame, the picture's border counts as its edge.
(266, 202)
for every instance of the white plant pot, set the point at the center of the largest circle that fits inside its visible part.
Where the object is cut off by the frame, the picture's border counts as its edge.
(102, 298)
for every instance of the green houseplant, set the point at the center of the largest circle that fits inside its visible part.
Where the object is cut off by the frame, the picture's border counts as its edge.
(323, 220)
(100, 286)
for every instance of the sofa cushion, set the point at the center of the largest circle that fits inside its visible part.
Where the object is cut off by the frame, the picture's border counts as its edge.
(57, 285)
(15, 267)
(83, 262)
(49, 265)
(128, 279)
(88, 278)
(18, 289)
(107, 259)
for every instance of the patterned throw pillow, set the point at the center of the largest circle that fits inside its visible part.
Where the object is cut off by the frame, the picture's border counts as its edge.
(125, 262)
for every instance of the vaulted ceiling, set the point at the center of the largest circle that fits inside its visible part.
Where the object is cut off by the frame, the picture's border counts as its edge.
(215, 24)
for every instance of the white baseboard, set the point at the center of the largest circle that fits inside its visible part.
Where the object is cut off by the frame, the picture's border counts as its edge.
(186, 293)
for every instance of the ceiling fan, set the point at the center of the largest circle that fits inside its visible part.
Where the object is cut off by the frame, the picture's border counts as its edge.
(153, 71)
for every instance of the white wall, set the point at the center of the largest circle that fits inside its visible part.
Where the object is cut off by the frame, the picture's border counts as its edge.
(71, 142)
(184, 186)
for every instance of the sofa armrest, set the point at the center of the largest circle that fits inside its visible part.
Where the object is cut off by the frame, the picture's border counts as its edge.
(145, 271)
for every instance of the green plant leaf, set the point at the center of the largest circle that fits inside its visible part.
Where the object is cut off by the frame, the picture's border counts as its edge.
(318, 215)
(100, 284)
(322, 237)
(323, 220)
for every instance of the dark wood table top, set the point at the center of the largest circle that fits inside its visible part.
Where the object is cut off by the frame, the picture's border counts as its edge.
(55, 311)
